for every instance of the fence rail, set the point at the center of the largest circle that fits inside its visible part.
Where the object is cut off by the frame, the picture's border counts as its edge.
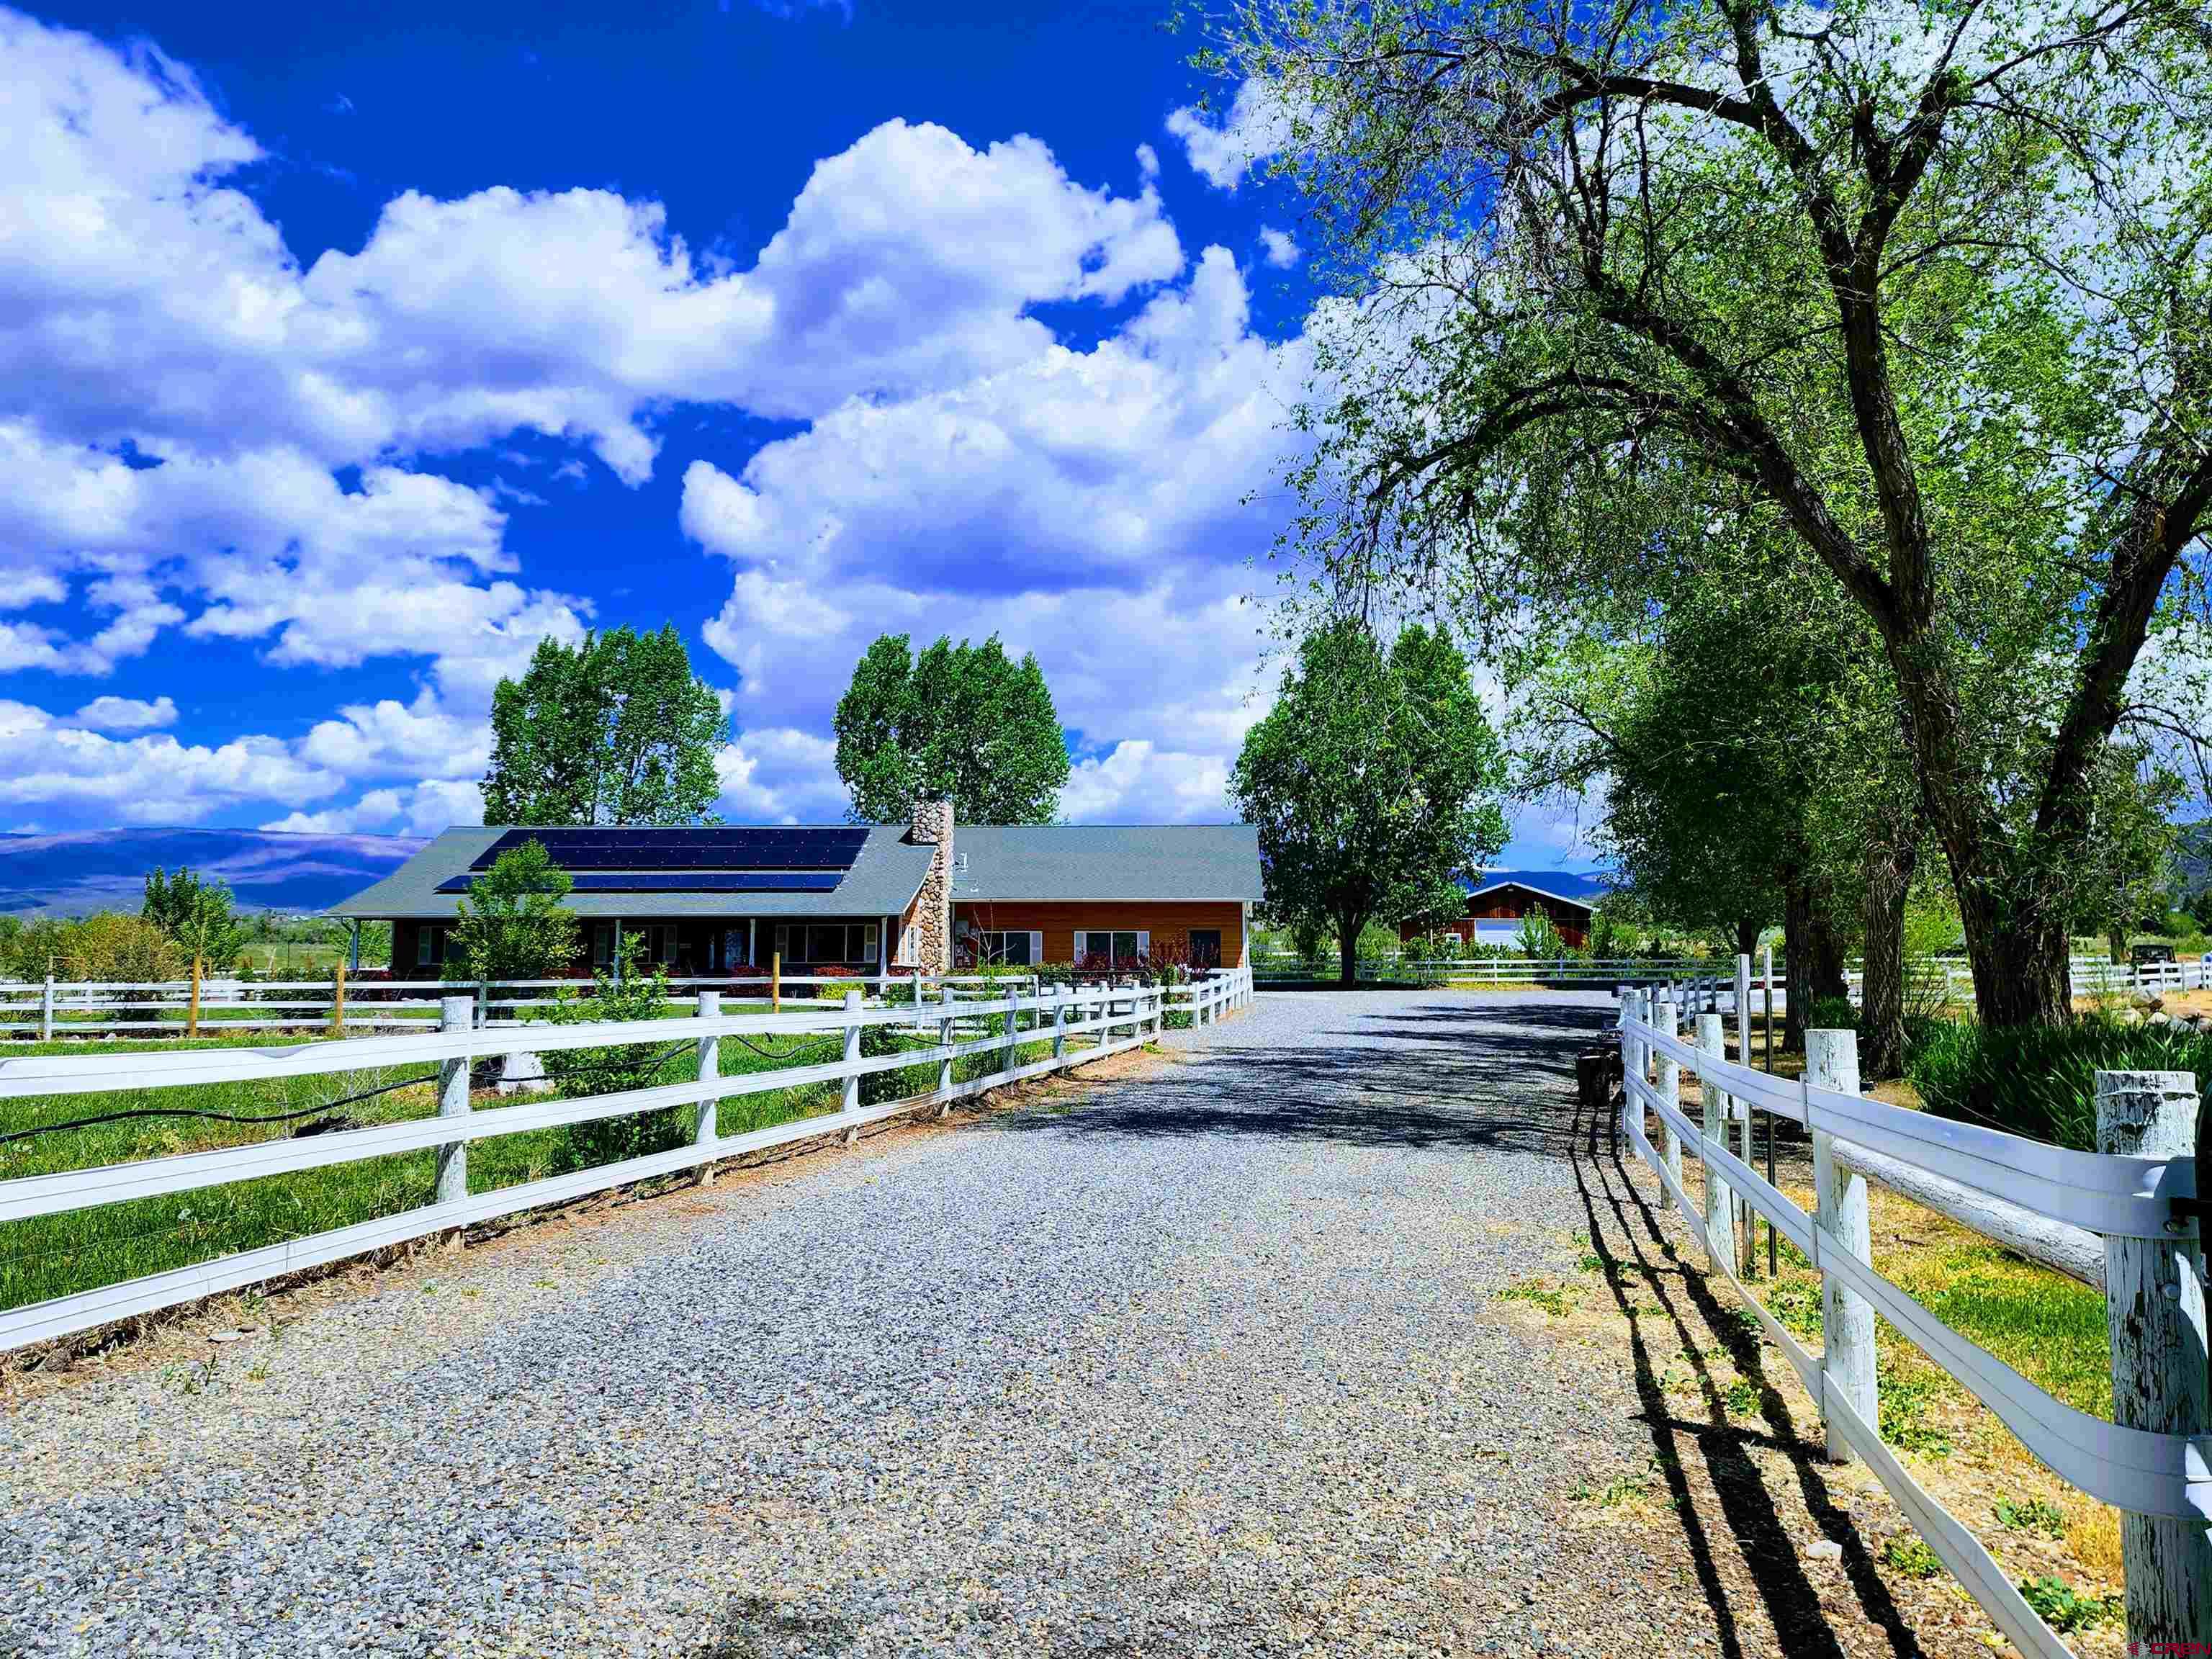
(2158, 1469)
(1103, 1019)
(72, 1008)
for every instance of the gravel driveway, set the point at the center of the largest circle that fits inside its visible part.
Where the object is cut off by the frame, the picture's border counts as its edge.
(1201, 1359)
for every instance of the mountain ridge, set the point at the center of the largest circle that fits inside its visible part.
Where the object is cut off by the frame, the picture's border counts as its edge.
(69, 872)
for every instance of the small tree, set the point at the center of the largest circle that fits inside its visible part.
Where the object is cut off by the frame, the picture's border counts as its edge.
(1373, 781)
(614, 730)
(639, 993)
(194, 914)
(963, 723)
(515, 923)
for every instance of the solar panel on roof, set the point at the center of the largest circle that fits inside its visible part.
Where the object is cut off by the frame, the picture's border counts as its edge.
(690, 881)
(722, 847)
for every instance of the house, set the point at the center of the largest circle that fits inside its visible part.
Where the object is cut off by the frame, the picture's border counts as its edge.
(929, 896)
(1497, 900)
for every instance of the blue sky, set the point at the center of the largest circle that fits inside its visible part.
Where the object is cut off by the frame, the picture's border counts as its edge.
(346, 351)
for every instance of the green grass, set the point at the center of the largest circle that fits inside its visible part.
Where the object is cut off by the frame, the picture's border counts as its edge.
(50, 1256)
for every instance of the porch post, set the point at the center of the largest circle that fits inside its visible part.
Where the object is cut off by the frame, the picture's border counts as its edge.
(883, 956)
(618, 961)
(353, 951)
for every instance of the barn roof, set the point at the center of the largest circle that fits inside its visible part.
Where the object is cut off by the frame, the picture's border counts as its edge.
(1580, 888)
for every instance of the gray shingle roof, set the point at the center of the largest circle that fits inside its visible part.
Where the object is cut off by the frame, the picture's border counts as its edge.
(1007, 863)
(882, 882)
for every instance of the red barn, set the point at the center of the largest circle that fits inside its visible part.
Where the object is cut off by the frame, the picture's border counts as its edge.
(1497, 900)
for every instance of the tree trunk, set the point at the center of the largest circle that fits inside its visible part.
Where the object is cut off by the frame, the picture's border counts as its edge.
(1890, 859)
(1747, 937)
(2018, 956)
(1347, 952)
(1795, 914)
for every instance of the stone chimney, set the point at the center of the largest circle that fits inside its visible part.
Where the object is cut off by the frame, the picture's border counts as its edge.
(931, 929)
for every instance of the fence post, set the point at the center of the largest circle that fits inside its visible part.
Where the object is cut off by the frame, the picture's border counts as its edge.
(1060, 1022)
(1843, 1223)
(775, 982)
(1014, 1026)
(1750, 1239)
(710, 1067)
(46, 1011)
(192, 1013)
(1720, 1197)
(944, 1065)
(2154, 1305)
(852, 1095)
(1669, 1083)
(483, 1003)
(337, 999)
(453, 1015)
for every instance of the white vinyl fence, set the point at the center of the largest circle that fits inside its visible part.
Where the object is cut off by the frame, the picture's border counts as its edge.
(173, 1007)
(2137, 1197)
(1605, 972)
(1080, 1024)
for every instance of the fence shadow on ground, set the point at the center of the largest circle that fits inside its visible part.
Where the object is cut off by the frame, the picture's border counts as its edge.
(1644, 1274)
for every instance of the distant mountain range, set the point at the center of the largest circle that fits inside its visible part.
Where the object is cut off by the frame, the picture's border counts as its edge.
(97, 869)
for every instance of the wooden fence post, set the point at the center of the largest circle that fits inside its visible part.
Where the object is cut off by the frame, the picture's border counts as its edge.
(852, 1095)
(46, 1010)
(454, 1014)
(337, 999)
(1060, 1022)
(1847, 1355)
(1669, 1083)
(710, 1065)
(1720, 1199)
(944, 1034)
(2154, 1305)
(483, 1003)
(1750, 1241)
(775, 982)
(192, 1012)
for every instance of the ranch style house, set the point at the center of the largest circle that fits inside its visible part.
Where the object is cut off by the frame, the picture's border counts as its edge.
(1497, 900)
(927, 896)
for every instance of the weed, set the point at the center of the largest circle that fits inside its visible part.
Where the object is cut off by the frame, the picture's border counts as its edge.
(1796, 1304)
(187, 1379)
(2064, 1608)
(1553, 1299)
(1904, 1402)
(258, 1371)
(1618, 1493)
(1741, 1398)
(1912, 1557)
(1590, 1261)
(2032, 1514)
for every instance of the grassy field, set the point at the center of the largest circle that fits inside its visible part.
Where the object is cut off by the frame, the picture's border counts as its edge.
(56, 1255)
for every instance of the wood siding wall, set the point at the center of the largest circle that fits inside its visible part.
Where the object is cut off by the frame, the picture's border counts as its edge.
(1059, 923)
(1572, 921)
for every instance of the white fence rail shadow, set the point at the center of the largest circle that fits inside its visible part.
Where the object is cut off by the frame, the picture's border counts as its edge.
(2155, 1463)
(1078, 1024)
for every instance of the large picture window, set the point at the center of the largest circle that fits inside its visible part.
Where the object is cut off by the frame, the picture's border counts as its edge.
(846, 943)
(430, 945)
(1116, 950)
(1206, 947)
(1009, 950)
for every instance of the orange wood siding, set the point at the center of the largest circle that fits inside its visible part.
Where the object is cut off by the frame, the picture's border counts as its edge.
(1572, 921)
(1059, 923)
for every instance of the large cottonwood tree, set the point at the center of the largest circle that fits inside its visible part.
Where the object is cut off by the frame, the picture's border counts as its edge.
(1930, 280)
(1374, 782)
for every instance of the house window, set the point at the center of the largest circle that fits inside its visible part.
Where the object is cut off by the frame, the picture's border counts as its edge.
(840, 942)
(1008, 949)
(1116, 950)
(603, 944)
(1206, 947)
(429, 946)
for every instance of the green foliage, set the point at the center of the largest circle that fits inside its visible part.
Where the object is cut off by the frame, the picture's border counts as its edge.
(2035, 1515)
(104, 945)
(1911, 1556)
(195, 915)
(1539, 940)
(2040, 1081)
(960, 723)
(1554, 1299)
(577, 1072)
(1904, 1397)
(1374, 782)
(614, 730)
(513, 924)
(1910, 319)
(2065, 1609)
